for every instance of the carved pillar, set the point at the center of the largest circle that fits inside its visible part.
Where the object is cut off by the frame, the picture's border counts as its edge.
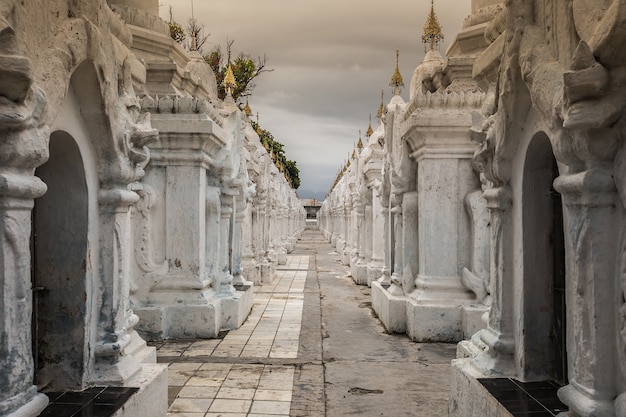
(410, 246)
(264, 238)
(113, 364)
(281, 236)
(23, 147)
(17, 190)
(225, 288)
(396, 275)
(347, 215)
(499, 334)
(250, 236)
(213, 249)
(376, 237)
(238, 218)
(385, 278)
(590, 202)
(363, 215)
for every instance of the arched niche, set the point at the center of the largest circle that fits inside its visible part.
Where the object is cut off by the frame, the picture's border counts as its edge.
(66, 219)
(60, 227)
(543, 306)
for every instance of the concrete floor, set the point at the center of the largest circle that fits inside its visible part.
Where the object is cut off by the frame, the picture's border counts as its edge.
(312, 346)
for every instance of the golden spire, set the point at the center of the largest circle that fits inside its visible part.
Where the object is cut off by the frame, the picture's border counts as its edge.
(370, 131)
(396, 79)
(359, 144)
(381, 109)
(432, 29)
(247, 110)
(229, 79)
(258, 125)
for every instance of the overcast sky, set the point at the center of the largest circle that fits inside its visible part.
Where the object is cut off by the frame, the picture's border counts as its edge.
(331, 59)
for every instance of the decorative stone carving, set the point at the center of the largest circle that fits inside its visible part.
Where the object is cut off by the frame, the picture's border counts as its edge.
(476, 278)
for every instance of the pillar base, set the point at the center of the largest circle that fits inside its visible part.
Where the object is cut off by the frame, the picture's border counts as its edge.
(235, 309)
(468, 398)
(391, 310)
(434, 322)
(179, 321)
(581, 403)
(345, 257)
(151, 399)
(32, 408)
(282, 257)
(374, 271)
(267, 272)
(360, 275)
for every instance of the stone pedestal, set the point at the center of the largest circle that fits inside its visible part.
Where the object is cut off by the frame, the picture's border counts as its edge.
(444, 177)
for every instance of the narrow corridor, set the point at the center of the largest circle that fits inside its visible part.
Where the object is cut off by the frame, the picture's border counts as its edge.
(311, 347)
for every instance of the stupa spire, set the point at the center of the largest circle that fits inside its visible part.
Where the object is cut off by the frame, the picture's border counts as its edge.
(381, 108)
(246, 109)
(432, 30)
(396, 80)
(369, 131)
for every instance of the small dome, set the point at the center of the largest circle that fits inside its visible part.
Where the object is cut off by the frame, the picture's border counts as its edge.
(196, 66)
(427, 76)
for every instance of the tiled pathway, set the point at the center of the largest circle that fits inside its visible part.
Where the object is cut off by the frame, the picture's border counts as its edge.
(236, 375)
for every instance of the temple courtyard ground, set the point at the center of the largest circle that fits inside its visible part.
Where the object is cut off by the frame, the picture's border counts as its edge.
(312, 346)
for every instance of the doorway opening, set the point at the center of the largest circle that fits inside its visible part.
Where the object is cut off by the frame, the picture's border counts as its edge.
(544, 308)
(59, 264)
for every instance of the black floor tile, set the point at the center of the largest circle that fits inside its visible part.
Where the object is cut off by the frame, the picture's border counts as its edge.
(79, 397)
(97, 410)
(91, 402)
(533, 414)
(523, 406)
(60, 410)
(533, 399)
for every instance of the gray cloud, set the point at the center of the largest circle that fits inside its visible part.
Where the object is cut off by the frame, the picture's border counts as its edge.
(330, 58)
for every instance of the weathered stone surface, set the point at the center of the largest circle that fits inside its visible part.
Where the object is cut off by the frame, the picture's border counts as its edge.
(117, 234)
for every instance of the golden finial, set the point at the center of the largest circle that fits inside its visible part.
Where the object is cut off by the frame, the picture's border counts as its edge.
(381, 109)
(432, 30)
(258, 124)
(370, 131)
(247, 110)
(229, 79)
(359, 144)
(396, 79)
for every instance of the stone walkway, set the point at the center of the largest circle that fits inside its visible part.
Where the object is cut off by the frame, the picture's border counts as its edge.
(310, 347)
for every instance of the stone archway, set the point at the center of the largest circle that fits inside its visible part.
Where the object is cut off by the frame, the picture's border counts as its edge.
(59, 262)
(543, 307)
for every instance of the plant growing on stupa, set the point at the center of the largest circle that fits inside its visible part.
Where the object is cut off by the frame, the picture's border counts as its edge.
(245, 69)
(276, 149)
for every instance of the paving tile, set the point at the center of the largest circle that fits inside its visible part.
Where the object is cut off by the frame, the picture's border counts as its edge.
(270, 407)
(230, 406)
(198, 381)
(184, 366)
(216, 366)
(197, 392)
(236, 393)
(272, 395)
(191, 405)
(197, 352)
